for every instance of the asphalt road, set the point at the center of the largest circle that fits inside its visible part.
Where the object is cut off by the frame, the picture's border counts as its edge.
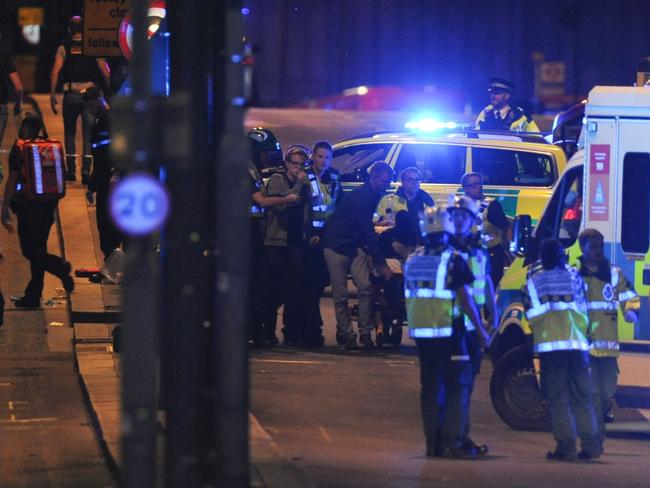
(353, 420)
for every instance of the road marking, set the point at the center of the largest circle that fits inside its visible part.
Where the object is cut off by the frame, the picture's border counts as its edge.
(286, 361)
(5, 384)
(327, 437)
(400, 363)
(36, 420)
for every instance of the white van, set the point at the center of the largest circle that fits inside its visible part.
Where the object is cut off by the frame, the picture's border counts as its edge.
(606, 186)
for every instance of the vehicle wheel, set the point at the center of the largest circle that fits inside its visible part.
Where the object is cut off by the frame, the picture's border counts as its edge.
(515, 394)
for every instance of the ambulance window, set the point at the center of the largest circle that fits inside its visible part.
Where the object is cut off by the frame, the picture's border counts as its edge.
(353, 161)
(635, 213)
(563, 215)
(438, 163)
(513, 168)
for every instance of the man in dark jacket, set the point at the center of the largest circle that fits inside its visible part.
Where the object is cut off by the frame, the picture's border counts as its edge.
(349, 243)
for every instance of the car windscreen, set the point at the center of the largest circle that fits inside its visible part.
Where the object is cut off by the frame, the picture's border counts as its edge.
(503, 167)
(353, 161)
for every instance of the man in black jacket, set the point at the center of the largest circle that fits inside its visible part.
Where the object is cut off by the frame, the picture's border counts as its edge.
(349, 243)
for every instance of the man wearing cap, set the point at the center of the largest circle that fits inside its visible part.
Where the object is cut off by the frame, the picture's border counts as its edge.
(499, 115)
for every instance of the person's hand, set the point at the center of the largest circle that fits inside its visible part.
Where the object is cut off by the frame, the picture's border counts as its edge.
(631, 316)
(53, 103)
(314, 241)
(386, 272)
(292, 198)
(301, 175)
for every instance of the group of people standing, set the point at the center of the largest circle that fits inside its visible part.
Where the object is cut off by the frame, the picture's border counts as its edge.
(288, 213)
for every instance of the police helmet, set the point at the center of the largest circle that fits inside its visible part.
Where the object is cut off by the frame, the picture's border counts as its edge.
(463, 202)
(263, 140)
(643, 72)
(435, 220)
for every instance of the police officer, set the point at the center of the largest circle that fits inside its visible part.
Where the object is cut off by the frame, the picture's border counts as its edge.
(437, 285)
(409, 197)
(463, 215)
(79, 73)
(491, 224)
(606, 290)
(103, 168)
(265, 152)
(556, 309)
(499, 115)
(325, 188)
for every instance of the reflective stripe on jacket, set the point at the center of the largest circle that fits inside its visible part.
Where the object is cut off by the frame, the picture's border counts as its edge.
(429, 304)
(603, 301)
(323, 196)
(556, 309)
(477, 263)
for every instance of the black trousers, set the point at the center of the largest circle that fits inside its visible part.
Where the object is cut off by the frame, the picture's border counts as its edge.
(315, 279)
(498, 260)
(109, 237)
(34, 223)
(284, 268)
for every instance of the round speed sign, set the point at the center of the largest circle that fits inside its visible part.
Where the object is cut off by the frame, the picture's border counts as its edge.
(139, 204)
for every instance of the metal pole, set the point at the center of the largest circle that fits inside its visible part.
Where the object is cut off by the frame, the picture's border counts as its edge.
(131, 143)
(231, 226)
(187, 387)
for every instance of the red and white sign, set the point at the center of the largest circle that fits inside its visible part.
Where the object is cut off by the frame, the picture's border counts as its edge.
(155, 15)
(599, 163)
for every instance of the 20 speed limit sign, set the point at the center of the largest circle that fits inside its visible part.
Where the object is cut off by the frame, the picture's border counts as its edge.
(139, 204)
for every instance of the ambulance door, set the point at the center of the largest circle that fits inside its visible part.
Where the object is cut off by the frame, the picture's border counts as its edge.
(600, 164)
(631, 251)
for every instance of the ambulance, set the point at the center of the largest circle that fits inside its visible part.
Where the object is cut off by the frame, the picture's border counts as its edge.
(605, 186)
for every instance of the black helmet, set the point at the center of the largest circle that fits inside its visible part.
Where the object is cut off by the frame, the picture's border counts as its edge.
(264, 141)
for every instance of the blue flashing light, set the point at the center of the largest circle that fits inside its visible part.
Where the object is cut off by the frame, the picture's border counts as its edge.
(245, 11)
(429, 125)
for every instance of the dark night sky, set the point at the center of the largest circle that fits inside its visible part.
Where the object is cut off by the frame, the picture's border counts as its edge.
(319, 47)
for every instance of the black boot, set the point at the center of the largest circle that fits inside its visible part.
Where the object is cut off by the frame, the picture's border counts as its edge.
(2, 309)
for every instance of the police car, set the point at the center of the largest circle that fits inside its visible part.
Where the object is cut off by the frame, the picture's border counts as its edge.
(519, 169)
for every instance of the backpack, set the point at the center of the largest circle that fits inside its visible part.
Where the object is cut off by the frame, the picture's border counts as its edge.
(42, 170)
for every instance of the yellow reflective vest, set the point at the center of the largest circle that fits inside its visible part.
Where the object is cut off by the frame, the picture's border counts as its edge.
(429, 304)
(515, 120)
(603, 300)
(323, 195)
(556, 309)
(477, 263)
(388, 207)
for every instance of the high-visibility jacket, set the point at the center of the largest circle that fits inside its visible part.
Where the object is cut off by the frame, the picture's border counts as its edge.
(477, 262)
(604, 297)
(490, 233)
(430, 306)
(516, 120)
(324, 194)
(388, 207)
(556, 309)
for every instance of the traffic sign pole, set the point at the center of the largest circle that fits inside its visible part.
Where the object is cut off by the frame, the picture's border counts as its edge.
(134, 151)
